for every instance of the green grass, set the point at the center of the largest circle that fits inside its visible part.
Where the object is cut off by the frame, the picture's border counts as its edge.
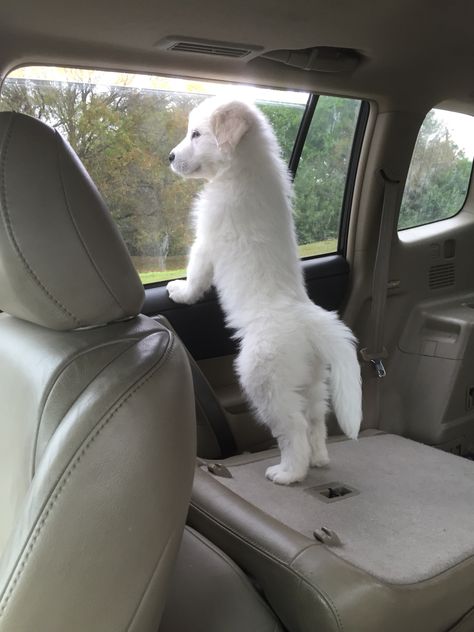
(307, 250)
(318, 248)
(163, 275)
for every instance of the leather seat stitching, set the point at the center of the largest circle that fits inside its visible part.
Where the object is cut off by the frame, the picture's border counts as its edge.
(236, 532)
(231, 565)
(261, 549)
(58, 376)
(10, 231)
(156, 567)
(48, 508)
(71, 215)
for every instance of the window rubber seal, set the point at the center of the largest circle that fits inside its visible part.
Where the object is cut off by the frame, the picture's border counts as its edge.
(303, 129)
(356, 150)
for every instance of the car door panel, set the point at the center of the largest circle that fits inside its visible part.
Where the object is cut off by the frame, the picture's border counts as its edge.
(202, 326)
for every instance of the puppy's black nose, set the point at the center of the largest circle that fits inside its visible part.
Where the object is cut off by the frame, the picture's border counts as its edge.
(171, 157)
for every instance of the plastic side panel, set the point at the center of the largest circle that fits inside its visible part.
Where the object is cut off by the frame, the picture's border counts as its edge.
(433, 368)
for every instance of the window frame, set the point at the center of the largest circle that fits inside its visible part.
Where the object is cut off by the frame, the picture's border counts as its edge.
(352, 168)
(354, 161)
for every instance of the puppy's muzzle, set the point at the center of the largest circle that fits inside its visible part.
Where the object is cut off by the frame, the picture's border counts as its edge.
(171, 157)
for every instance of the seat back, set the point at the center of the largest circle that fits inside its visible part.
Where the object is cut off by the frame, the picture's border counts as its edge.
(97, 425)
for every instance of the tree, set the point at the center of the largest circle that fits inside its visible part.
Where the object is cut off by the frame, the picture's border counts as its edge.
(321, 176)
(322, 172)
(123, 135)
(438, 178)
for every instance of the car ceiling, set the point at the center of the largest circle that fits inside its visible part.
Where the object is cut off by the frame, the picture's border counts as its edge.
(414, 53)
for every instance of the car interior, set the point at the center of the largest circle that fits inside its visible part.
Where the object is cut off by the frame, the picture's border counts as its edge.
(133, 494)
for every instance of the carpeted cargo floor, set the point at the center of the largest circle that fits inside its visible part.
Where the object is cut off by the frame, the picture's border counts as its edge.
(411, 518)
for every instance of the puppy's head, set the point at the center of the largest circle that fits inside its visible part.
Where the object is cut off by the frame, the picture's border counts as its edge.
(215, 130)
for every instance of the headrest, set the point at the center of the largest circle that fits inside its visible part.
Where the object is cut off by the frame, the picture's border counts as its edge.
(63, 263)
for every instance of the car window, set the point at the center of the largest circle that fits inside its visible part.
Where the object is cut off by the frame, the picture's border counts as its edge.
(122, 126)
(320, 180)
(440, 169)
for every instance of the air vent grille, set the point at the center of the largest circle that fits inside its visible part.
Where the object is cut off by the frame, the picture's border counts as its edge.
(213, 48)
(210, 49)
(442, 275)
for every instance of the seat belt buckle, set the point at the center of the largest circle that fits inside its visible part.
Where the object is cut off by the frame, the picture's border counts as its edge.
(376, 360)
(379, 367)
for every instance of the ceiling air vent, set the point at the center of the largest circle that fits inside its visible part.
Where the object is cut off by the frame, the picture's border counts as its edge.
(193, 46)
(441, 275)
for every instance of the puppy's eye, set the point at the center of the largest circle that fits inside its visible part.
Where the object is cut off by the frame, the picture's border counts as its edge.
(195, 134)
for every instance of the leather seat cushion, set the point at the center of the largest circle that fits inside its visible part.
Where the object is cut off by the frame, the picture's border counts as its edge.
(209, 593)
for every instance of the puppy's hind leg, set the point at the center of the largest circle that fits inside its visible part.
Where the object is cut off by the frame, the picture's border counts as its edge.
(268, 384)
(291, 432)
(317, 410)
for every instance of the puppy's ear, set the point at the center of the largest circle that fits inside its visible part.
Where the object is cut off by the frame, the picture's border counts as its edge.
(229, 122)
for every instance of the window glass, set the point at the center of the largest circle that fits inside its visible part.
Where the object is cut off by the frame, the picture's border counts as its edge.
(322, 173)
(440, 169)
(123, 126)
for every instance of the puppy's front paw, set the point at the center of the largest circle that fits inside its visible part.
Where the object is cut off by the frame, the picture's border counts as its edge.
(178, 291)
(280, 476)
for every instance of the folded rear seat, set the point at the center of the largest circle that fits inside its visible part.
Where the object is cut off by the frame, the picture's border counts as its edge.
(382, 540)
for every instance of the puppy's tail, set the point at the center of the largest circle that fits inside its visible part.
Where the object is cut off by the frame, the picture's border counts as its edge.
(339, 351)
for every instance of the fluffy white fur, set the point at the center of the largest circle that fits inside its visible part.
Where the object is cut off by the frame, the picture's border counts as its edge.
(293, 354)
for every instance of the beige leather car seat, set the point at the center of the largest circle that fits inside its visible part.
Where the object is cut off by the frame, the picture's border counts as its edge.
(381, 540)
(210, 593)
(97, 424)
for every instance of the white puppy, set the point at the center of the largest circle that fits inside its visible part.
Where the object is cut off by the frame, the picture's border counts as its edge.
(290, 349)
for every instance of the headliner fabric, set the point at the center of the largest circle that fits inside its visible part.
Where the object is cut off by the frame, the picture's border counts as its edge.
(412, 518)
